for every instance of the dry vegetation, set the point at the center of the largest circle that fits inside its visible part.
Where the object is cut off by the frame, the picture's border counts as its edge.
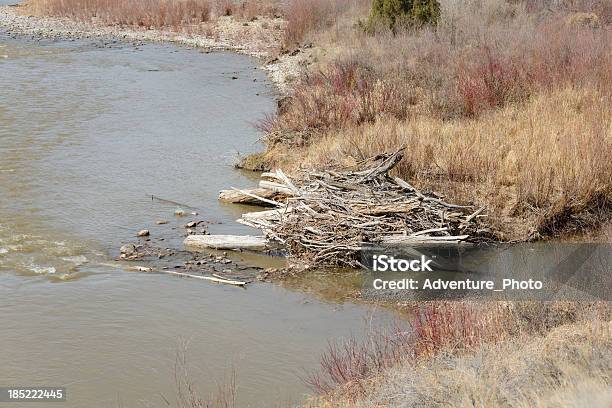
(174, 14)
(504, 103)
(485, 355)
(187, 393)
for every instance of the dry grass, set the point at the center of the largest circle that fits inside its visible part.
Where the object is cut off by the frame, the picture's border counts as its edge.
(540, 168)
(568, 367)
(146, 13)
(247, 9)
(153, 13)
(476, 60)
(307, 16)
(514, 355)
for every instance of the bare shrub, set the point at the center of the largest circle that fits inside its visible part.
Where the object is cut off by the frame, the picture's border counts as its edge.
(344, 93)
(468, 65)
(306, 16)
(187, 394)
(154, 13)
(147, 13)
(351, 362)
(556, 56)
(440, 329)
(567, 366)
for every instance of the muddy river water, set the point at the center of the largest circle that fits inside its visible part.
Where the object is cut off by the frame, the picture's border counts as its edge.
(87, 135)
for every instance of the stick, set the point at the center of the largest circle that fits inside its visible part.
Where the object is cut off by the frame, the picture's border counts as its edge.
(471, 217)
(208, 278)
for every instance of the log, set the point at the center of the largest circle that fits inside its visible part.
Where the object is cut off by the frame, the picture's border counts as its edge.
(239, 197)
(267, 214)
(265, 200)
(389, 208)
(275, 187)
(255, 243)
(216, 279)
(422, 239)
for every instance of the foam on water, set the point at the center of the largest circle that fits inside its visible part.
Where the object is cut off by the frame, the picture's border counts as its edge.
(41, 270)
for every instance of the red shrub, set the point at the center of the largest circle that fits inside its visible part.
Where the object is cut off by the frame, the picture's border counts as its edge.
(436, 326)
(491, 76)
(342, 94)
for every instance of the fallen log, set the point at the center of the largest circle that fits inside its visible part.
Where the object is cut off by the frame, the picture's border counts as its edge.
(267, 214)
(214, 278)
(239, 197)
(262, 199)
(208, 278)
(254, 243)
(274, 187)
(422, 239)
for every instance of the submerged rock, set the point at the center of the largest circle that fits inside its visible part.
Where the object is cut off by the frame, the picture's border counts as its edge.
(143, 233)
(128, 249)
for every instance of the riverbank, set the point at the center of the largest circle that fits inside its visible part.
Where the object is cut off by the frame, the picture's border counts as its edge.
(503, 105)
(260, 38)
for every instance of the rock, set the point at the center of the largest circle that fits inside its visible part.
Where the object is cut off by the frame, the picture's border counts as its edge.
(161, 222)
(143, 233)
(141, 269)
(127, 250)
(191, 224)
(179, 212)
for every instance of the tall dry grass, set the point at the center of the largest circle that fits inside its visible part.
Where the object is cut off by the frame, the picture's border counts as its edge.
(469, 64)
(247, 9)
(305, 17)
(541, 167)
(153, 13)
(147, 13)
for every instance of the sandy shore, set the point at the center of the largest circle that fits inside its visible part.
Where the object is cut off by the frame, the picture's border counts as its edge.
(261, 38)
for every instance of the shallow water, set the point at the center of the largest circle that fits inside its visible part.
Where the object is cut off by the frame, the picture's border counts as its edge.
(87, 135)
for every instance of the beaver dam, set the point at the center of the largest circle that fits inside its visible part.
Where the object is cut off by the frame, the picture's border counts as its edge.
(326, 218)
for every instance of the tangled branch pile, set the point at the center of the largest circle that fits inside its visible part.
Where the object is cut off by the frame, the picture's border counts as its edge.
(328, 217)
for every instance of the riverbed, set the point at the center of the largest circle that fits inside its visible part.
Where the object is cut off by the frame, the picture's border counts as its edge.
(89, 132)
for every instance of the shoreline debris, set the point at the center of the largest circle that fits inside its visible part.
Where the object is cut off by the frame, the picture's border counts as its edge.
(255, 243)
(328, 217)
(215, 278)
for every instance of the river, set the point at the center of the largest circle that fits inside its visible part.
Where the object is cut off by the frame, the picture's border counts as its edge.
(88, 132)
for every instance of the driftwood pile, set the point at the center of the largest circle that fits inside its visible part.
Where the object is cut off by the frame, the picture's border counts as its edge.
(327, 217)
